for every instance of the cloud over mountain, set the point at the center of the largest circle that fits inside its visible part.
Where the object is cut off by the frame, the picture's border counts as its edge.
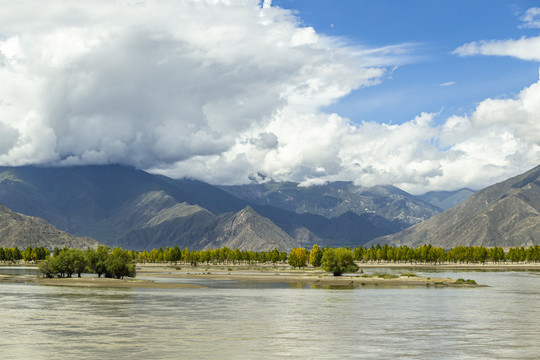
(217, 89)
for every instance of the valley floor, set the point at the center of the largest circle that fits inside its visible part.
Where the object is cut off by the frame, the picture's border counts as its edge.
(162, 275)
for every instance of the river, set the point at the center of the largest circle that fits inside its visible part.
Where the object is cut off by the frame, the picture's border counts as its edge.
(242, 320)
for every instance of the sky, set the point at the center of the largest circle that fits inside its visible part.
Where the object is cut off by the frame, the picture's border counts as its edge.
(424, 95)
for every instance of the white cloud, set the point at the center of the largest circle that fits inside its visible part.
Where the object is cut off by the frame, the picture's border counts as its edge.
(531, 18)
(449, 83)
(156, 82)
(501, 138)
(524, 48)
(220, 89)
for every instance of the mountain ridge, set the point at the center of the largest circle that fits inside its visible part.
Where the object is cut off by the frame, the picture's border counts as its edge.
(505, 214)
(109, 202)
(19, 230)
(334, 199)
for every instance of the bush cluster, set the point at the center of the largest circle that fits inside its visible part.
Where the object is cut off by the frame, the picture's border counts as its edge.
(115, 263)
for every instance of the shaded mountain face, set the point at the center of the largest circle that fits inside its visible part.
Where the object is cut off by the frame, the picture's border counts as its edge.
(446, 199)
(506, 214)
(18, 230)
(119, 205)
(337, 198)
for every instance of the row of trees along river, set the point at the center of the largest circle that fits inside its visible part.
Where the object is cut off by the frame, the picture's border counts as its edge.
(402, 254)
(118, 263)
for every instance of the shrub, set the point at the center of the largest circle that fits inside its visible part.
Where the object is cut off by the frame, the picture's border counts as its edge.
(338, 261)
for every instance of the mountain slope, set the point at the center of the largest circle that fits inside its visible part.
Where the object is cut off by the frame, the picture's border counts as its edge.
(446, 199)
(246, 230)
(18, 230)
(505, 214)
(337, 198)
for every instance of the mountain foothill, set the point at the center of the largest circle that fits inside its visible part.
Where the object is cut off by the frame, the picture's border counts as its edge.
(115, 205)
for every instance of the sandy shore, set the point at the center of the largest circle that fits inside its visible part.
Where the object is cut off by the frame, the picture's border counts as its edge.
(293, 277)
(97, 282)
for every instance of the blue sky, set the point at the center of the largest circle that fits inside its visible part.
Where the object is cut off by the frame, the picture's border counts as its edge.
(434, 28)
(423, 95)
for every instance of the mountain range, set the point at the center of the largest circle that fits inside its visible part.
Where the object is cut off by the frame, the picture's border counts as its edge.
(506, 214)
(122, 206)
(337, 198)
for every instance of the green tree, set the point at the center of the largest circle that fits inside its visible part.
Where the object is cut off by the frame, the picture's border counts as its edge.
(119, 264)
(338, 261)
(45, 269)
(315, 256)
(27, 254)
(97, 260)
(79, 261)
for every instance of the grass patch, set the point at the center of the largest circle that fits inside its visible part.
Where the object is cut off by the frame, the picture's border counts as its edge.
(409, 274)
(463, 281)
(381, 276)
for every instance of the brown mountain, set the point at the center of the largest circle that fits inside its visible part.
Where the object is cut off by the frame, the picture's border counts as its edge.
(18, 230)
(122, 206)
(335, 199)
(187, 226)
(505, 214)
(246, 230)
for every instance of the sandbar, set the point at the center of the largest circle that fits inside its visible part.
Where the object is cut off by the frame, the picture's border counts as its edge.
(314, 277)
(96, 282)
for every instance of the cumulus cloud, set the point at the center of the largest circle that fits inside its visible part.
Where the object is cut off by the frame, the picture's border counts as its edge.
(221, 89)
(157, 82)
(499, 139)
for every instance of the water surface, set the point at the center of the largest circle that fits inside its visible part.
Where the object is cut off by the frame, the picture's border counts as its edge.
(243, 320)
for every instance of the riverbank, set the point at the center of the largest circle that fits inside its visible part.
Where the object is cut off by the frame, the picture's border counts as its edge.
(315, 278)
(452, 266)
(299, 277)
(96, 282)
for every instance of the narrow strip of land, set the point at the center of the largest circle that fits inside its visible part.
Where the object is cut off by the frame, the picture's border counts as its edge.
(95, 282)
(313, 277)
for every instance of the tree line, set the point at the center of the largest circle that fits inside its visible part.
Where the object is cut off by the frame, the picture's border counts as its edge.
(223, 255)
(28, 254)
(437, 255)
(119, 263)
(299, 257)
